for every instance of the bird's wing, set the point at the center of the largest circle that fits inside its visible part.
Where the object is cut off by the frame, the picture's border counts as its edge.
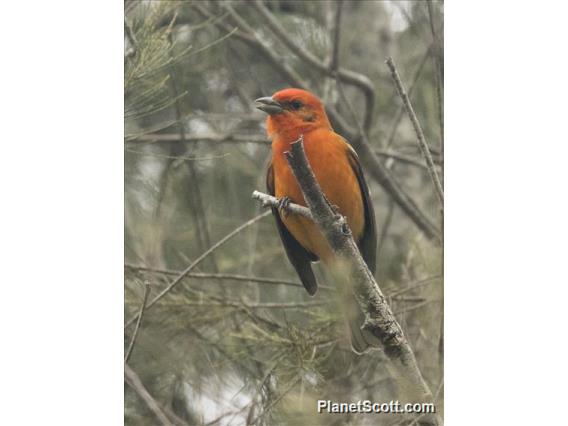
(298, 255)
(368, 242)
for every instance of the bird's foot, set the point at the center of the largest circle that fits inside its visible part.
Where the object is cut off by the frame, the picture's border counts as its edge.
(345, 228)
(283, 204)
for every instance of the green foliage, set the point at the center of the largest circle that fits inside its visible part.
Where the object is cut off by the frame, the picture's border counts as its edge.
(145, 76)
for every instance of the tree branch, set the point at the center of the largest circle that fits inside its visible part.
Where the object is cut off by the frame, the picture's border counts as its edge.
(196, 262)
(234, 277)
(247, 35)
(383, 176)
(400, 110)
(270, 201)
(405, 159)
(239, 138)
(334, 61)
(439, 75)
(260, 305)
(379, 320)
(205, 137)
(132, 379)
(138, 322)
(362, 82)
(418, 129)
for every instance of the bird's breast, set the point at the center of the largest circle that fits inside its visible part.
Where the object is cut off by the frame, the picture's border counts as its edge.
(327, 155)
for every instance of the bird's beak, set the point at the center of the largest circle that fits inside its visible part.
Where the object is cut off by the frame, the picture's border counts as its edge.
(268, 105)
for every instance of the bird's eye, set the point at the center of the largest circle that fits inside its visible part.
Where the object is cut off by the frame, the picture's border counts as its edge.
(295, 104)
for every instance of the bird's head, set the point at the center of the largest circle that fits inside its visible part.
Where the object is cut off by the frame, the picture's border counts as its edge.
(292, 112)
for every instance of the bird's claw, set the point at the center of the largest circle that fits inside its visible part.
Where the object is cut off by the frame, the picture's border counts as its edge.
(283, 204)
(345, 228)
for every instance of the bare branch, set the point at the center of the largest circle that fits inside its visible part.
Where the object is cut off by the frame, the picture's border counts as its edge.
(234, 277)
(382, 175)
(353, 78)
(437, 44)
(138, 321)
(197, 261)
(135, 383)
(205, 137)
(176, 156)
(270, 201)
(248, 36)
(406, 159)
(238, 138)
(418, 129)
(439, 74)
(380, 320)
(400, 110)
(414, 285)
(261, 305)
(417, 306)
(334, 62)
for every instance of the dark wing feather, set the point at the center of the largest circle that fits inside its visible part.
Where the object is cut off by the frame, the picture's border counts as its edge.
(368, 242)
(298, 255)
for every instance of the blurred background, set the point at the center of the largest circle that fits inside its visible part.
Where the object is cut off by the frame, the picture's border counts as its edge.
(236, 339)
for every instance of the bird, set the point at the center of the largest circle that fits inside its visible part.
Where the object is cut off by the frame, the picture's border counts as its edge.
(294, 113)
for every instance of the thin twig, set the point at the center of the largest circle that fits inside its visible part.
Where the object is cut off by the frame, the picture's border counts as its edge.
(239, 304)
(383, 176)
(138, 322)
(270, 201)
(198, 261)
(400, 110)
(439, 74)
(418, 129)
(136, 384)
(247, 34)
(177, 157)
(237, 138)
(414, 285)
(417, 306)
(437, 44)
(334, 61)
(205, 137)
(362, 82)
(235, 277)
(406, 159)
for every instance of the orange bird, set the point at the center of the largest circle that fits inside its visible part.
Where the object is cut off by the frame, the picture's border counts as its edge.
(296, 112)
